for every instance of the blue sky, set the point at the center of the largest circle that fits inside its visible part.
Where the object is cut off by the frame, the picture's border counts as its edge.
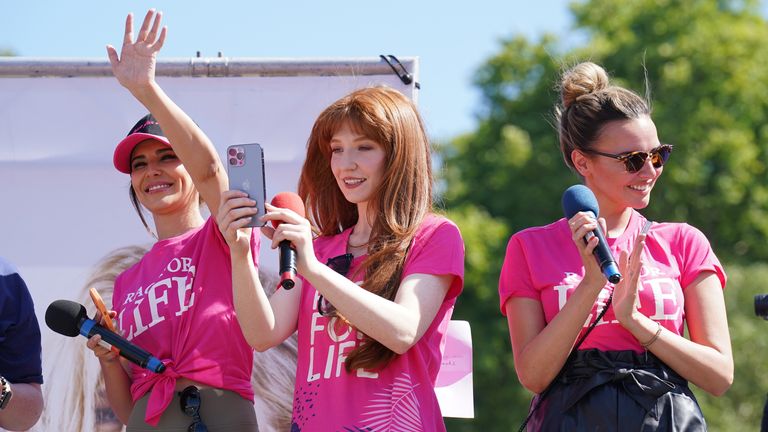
(452, 38)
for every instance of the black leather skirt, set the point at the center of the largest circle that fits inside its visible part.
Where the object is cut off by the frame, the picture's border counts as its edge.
(617, 391)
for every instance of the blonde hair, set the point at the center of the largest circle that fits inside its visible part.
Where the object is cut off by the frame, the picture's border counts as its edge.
(274, 377)
(74, 392)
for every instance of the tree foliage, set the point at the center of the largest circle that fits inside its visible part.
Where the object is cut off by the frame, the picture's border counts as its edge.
(705, 64)
(741, 408)
(702, 64)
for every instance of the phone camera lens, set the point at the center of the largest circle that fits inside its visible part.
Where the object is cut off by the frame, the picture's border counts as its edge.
(232, 161)
(240, 155)
(232, 152)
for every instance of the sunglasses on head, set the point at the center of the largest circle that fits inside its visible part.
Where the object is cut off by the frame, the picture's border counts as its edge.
(340, 264)
(634, 161)
(190, 405)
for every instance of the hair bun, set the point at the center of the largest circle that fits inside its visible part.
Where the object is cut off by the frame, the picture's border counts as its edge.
(583, 79)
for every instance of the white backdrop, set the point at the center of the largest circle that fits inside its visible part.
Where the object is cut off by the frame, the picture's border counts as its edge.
(63, 206)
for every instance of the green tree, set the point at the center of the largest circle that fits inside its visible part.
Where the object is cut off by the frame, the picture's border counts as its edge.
(705, 63)
(741, 408)
(479, 304)
(702, 63)
(511, 164)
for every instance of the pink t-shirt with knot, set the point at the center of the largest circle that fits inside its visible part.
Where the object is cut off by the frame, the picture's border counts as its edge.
(176, 303)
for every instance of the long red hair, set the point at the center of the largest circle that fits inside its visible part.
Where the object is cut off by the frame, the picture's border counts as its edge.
(399, 204)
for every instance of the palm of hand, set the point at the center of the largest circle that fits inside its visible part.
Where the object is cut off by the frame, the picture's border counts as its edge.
(137, 64)
(625, 298)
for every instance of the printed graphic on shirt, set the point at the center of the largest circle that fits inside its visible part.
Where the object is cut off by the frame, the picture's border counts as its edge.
(330, 340)
(395, 408)
(170, 295)
(304, 405)
(659, 296)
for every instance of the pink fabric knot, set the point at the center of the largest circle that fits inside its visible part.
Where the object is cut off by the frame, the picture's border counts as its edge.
(161, 387)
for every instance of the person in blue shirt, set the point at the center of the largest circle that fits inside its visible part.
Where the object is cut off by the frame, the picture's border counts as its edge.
(21, 373)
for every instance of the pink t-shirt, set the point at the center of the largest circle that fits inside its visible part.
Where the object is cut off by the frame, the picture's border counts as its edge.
(542, 263)
(400, 397)
(177, 304)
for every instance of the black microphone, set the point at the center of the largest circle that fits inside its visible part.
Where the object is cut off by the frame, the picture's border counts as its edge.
(579, 198)
(292, 201)
(287, 264)
(70, 319)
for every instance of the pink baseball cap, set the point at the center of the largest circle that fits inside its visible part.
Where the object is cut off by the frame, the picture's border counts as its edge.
(144, 129)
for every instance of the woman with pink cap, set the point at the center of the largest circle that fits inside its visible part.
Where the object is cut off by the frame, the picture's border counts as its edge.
(177, 301)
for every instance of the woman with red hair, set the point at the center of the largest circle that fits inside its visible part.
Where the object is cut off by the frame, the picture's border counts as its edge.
(376, 288)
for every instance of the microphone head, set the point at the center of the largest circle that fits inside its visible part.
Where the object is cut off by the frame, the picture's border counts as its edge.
(288, 200)
(579, 198)
(64, 317)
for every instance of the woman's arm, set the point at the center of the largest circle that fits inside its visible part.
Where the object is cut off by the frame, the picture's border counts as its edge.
(24, 408)
(116, 379)
(118, 387)
(706, 359)
(135, 70)
(397, 324)
(265, 322)
(540, 349)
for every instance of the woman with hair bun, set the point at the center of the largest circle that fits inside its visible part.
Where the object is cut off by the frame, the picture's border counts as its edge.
(604, 356)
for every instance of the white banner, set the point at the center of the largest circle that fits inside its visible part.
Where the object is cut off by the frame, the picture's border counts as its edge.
(64, 207)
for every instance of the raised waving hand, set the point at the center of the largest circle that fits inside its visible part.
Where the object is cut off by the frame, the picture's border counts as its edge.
(135, 66)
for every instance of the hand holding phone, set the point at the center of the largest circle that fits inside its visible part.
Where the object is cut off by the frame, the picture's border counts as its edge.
(245, 169)
(101, 307)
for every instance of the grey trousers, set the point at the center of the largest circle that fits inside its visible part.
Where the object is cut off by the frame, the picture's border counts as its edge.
(220, 410)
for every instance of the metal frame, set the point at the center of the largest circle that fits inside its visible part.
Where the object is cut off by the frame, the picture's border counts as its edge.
(205, 67)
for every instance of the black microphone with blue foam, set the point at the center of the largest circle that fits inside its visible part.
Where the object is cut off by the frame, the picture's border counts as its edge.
(70, 319)
(579, 198)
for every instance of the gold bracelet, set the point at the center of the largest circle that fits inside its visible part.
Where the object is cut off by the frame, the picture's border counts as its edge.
(655, 336)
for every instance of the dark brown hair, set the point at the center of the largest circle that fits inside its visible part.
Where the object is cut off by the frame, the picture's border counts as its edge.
(137, 206)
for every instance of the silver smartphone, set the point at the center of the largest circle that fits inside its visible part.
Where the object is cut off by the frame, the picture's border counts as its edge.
(245, 169)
